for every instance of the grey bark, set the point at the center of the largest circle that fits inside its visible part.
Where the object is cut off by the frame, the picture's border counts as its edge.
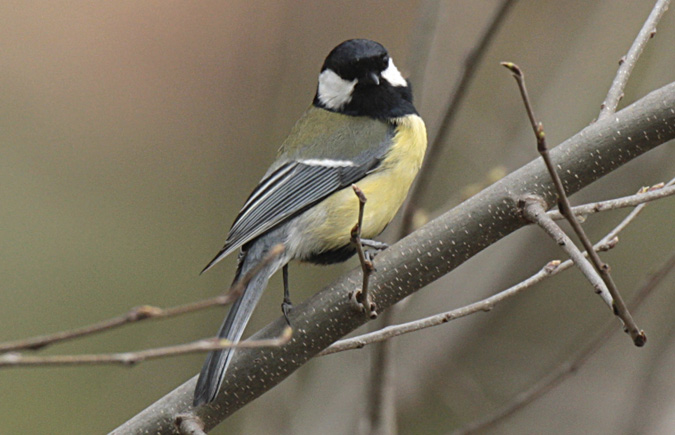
(429, 253)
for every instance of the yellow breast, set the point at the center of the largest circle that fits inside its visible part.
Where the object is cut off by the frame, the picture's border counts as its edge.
(385, 188)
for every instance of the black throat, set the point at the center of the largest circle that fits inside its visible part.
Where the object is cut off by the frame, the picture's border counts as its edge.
(380, 102)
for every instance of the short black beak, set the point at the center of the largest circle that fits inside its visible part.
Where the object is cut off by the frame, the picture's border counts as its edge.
(371, 79)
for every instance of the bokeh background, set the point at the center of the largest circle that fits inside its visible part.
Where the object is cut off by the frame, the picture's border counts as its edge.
(131, 132)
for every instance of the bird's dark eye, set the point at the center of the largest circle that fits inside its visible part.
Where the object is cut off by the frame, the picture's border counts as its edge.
(385, 61)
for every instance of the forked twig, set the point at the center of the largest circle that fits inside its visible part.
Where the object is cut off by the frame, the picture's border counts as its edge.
(534, 211)
(619, 307)
(627, 63)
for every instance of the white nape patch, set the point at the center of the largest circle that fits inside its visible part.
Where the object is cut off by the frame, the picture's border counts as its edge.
(393, 75)
(327, 162)
(334, 91)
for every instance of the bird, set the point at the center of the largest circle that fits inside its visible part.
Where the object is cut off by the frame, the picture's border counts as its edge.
(361, 129)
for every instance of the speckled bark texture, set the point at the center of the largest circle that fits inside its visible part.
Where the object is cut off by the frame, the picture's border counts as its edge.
(431, 252)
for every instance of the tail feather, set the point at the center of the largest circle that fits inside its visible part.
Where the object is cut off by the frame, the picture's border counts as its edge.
(215, 366)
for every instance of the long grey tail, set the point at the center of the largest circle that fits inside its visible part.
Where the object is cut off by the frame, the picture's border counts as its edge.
(215, 366)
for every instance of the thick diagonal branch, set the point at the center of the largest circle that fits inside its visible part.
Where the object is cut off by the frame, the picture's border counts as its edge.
(424, 256)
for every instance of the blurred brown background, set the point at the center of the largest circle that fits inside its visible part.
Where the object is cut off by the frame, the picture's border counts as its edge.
(131, 132)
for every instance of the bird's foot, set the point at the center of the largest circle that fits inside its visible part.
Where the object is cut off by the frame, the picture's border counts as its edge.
(363, 303)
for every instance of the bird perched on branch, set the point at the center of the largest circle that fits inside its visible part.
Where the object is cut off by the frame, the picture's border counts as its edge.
(361, 128)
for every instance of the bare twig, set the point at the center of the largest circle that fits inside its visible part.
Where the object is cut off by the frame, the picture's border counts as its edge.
(534, 211)
(485, 305)
(629, 218)
(138, 314)
(457, 95)
(14, 359)
(439, 319)
(626, 64)
(644, 195)
(619, 307)
(361, 297)
(568, 368)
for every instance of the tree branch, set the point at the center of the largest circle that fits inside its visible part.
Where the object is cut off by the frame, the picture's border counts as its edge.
(13, 359)
(643, 196)
(137, 314)
(141, 313)
(552, 268)
(189, 425)
(535, 213)
(617, 304)
(627, 63)
(422, 257)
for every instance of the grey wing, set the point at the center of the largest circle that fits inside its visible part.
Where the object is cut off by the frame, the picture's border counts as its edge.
(288, 190)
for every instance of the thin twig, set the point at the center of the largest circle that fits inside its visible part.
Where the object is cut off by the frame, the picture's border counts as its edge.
(457, 95)
(552, 268)
(568, 368)
(627, 63)
(138, 314)
(638, 336)
(623, 224)
(14, 359)
(438, 319)
(485, 305)
(361, 297)
(534, 211)
(644, 195)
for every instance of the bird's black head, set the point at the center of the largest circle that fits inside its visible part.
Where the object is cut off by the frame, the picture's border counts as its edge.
(359, 78)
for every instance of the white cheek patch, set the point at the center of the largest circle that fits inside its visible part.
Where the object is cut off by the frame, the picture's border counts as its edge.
(334, 91)
(393, 76)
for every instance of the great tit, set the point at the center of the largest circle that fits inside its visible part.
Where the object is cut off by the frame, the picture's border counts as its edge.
(361, 128)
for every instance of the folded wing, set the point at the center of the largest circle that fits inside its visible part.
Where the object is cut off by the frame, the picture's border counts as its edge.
(289, 190)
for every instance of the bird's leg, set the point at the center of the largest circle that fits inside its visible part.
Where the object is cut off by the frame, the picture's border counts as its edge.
(286, 305)
(361, 298)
